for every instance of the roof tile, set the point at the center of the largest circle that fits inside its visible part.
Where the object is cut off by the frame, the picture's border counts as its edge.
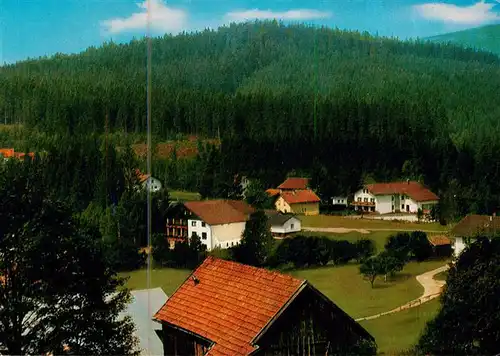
(216, 212)
(300, 196)
(294, 183)
(415, 190)
(243, 299)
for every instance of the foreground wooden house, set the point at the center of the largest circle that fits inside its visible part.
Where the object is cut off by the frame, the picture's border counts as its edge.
(227, 308)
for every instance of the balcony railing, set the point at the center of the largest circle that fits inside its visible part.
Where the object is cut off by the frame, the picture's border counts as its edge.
(363, 203)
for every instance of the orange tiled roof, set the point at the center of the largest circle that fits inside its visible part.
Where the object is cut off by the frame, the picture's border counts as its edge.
(9, 153)
(141, 176)
(273, 192)
(294, 183)
(216, 212)
(415, 190)
(300, 196)
(439, 240)
(230, 304)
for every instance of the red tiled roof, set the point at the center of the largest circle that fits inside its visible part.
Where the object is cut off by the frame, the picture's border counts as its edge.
(230, 304)
(273, 192)
(141, 176)
(294, 183)
(439, 240)
(9, 153)
(414, 190)
(216, 212)
(300, 196)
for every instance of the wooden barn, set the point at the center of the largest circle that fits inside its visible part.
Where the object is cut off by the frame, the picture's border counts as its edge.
(227, 308)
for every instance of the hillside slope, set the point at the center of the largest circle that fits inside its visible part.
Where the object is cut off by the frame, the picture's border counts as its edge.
(486, 38)
(199, 80)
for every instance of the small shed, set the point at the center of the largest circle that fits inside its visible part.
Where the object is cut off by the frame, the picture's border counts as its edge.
(441, 245)
(283, 225)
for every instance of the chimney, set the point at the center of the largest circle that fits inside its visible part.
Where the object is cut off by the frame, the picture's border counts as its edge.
(195, 279)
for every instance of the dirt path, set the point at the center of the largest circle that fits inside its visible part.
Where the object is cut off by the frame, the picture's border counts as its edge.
(343, 230)
(432, 289)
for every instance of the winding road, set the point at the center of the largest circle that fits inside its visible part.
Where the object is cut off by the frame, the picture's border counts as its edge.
(432, 289)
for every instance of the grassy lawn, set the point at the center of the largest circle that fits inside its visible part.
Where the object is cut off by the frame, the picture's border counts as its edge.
(398, 332)
(166, 278)
(347, 288)
(340, 221)
(379, 237)
(183, 196)
(441, 276)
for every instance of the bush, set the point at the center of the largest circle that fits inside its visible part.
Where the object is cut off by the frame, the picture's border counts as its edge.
(364, 248)
(124, 255)
(420, 247)
(342, 251)
(162, 255)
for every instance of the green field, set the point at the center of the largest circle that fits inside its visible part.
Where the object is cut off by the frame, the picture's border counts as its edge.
(169, 279)
(347, 288)
(441, 276)
(398, 332)
(183, 196)
(367, 224)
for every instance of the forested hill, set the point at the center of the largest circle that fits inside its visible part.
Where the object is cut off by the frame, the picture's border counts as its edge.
(486, 38)
(337, 105)
(199, 79)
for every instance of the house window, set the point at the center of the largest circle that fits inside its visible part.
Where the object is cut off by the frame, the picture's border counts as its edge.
(194, 234)
(392, 207)
(359, 199)
(372, 200)
(227, 244)
(204, 235)
(402, 207)
(392, 198)
(193, 223)
(203, 224)
(231, 243)
(366, 200)
(291, 226)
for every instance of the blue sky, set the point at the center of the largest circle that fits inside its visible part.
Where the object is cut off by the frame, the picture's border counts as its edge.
(32, 28)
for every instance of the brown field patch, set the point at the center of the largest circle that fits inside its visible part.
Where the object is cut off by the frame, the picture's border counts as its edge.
(185, 149)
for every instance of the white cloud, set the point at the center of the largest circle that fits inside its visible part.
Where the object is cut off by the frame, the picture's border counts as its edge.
(477, 14)
(256, 14)
(162, 18)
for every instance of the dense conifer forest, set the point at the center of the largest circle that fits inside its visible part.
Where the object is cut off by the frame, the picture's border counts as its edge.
(339, 106)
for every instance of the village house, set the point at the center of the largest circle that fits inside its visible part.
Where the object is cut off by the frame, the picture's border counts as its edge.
(304, 202)
(283, 225)
(218, 223)
(227, 308)
(8, 153)
(294, 196)
(472, 226)
(146, 181)
(339, 201)
(397, 197)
